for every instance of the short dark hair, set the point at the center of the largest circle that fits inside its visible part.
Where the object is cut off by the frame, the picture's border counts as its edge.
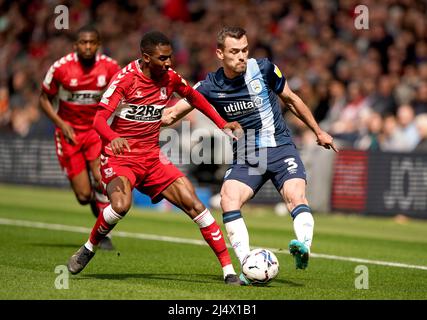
(233, 32)
(88, 28)
(151, 40)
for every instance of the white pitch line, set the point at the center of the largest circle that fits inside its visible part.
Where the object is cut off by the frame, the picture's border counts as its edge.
(359, 260)
(144, 236)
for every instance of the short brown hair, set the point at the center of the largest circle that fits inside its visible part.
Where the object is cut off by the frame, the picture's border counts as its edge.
(233, 32)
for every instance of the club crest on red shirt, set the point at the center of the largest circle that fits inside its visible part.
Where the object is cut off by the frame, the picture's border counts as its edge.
(163, 93)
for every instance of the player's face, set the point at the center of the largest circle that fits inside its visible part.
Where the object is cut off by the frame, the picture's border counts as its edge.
(159, 61)
(86, 45)
(234, 56)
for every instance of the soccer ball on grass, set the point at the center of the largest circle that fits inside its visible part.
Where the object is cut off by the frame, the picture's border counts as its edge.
(260, 266)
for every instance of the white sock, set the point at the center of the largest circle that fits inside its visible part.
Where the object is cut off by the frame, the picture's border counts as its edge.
(303, 227)
(237, 233)
(111, 216)
(204, 219)
(90, 246)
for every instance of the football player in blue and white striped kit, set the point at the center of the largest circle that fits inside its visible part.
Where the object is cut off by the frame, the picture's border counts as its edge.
(247, 91)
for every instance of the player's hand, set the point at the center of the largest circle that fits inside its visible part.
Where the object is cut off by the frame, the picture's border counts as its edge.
(168, 117)
(326, 141)
(233, 130)
(119, 146)
(68, 133)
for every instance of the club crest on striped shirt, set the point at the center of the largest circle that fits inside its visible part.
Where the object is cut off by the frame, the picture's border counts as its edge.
(256, 86)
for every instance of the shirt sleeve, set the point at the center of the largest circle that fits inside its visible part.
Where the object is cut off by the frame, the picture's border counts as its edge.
(101, 126)
(51, 80)
(115, 92)
(275, 79)
(108, 104)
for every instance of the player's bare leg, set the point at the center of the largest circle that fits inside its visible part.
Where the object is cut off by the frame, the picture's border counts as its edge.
(99, 200)
(234, 194)
(120, 193)
(82, 188)
(182, 194)
(293, 193)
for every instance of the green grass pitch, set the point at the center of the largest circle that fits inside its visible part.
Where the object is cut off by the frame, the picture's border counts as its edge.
(165, 270)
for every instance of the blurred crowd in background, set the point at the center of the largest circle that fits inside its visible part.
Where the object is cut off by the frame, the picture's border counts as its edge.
(366, 87)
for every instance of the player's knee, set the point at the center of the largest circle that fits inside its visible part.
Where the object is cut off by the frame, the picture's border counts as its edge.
(228, 199)
(84, 197)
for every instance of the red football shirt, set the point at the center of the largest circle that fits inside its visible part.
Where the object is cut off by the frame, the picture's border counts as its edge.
(79, 89)
(138, 101)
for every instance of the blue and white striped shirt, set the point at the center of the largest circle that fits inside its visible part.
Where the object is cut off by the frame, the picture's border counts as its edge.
(251, 99)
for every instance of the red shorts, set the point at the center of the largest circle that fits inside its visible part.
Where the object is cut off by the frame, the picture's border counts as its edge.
(73, 158)
(146, 173)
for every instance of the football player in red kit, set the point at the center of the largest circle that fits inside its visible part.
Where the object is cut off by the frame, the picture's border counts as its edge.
(78, 81)
(131, 156)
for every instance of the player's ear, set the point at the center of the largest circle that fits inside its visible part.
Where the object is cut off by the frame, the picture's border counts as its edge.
(220, 54)
(146, 57)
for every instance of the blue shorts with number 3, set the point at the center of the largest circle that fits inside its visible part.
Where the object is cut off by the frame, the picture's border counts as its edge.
(276, 163)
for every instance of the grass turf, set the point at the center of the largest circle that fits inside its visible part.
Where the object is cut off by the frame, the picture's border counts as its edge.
(148, 269)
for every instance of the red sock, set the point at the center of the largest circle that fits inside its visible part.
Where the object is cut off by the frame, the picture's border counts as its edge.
(101, 199)
(100, 230)
(215, 239)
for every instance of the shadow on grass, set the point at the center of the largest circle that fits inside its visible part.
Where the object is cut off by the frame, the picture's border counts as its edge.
(203, 278)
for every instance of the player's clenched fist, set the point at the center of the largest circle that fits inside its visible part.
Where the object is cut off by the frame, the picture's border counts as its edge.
(119, 145)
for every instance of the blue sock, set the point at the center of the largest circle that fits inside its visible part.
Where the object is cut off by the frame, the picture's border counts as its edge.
(300, 208)
(231, 216)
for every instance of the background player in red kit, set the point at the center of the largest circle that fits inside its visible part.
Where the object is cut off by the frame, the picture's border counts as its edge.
(131, 152)
(78, 80)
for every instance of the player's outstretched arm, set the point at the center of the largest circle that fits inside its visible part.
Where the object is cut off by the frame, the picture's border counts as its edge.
(46, 106)
(300, 109)
(182, 108)
(176, 112)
